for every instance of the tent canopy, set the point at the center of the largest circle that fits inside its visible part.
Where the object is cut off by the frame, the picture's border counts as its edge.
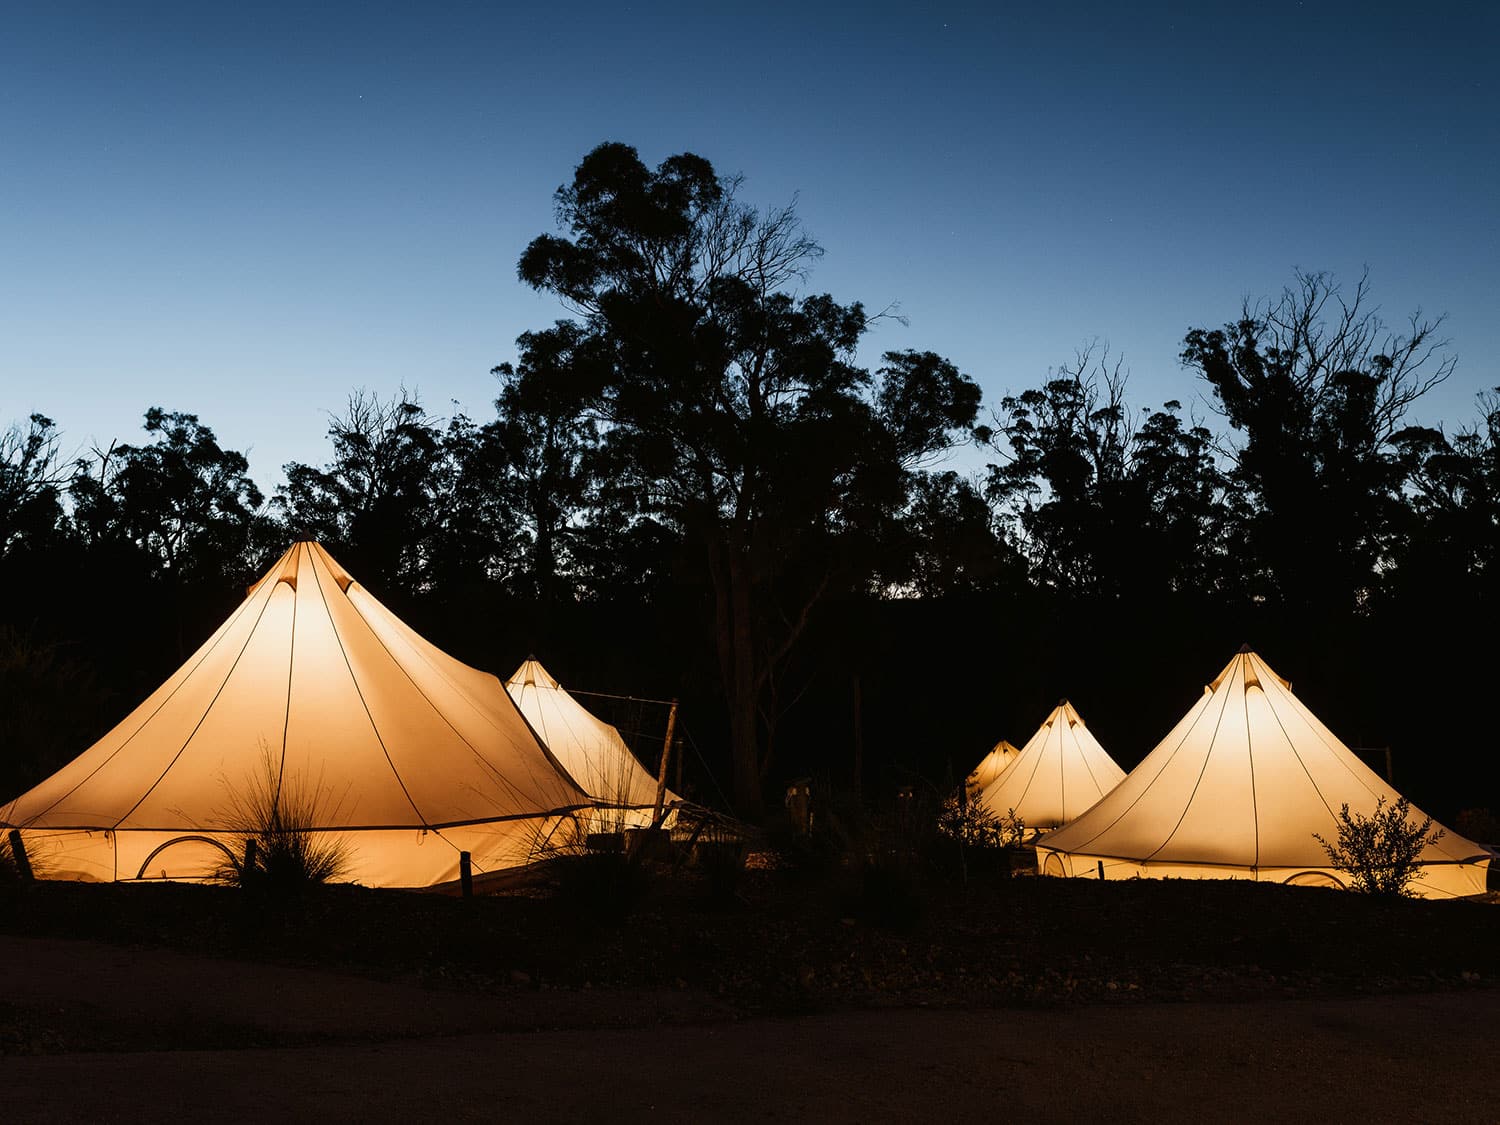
(589, 749)
(1061, 771)
(992, 765)
(1237, 790)
(410, 754)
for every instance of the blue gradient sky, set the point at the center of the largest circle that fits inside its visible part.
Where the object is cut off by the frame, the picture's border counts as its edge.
(247, 210)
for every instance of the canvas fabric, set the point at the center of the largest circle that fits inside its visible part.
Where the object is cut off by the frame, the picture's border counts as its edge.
(405, 752)
(1059, 773)
(1237, 789)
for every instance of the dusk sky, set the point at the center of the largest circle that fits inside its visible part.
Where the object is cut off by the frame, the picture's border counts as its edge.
(245, 211)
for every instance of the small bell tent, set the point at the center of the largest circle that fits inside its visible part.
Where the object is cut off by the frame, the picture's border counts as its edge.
(1236, 791)
(589, 749)
(1061, 771)
(991, 766)
(401, 753)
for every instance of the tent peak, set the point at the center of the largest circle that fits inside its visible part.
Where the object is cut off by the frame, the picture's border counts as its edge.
(1244, 648)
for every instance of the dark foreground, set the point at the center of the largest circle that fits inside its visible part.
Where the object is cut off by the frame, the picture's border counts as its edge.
(382, 1051)
(794, 998)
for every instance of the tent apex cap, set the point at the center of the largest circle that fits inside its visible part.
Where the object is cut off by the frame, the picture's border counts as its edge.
(1244, 648)
(1063, 702)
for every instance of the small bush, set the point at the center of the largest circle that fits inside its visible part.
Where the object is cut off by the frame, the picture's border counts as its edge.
(1381, 852)
(976, 826)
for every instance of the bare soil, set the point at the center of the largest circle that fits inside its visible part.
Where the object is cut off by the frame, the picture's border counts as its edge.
(796, 998)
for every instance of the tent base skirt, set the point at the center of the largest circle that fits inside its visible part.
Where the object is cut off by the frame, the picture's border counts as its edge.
(377, 857)
(1440, 880)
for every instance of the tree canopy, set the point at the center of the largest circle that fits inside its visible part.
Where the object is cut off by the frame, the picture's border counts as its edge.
(693, 484)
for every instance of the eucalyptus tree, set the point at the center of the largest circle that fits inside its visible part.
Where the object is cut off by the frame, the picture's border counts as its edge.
(32, 477)
(544, 454)
(184, 504)
(1104, 500)
(730, 404)
(377, 503)
(1318, 387)
(1454, 493)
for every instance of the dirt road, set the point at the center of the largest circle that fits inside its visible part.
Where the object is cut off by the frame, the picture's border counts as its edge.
(126, 1031)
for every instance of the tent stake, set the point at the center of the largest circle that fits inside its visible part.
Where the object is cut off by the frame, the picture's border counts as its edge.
(18, 854)
(661, 774)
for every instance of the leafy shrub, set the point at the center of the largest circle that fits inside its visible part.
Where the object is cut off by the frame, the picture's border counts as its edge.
(977, 826)
(1381, 852)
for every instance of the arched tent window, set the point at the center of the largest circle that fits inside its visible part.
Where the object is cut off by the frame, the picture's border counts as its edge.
(1314, 879)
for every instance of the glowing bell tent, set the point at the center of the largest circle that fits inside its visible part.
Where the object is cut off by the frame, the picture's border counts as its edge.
(1060, 772)
(1236, 791)
(407, 755)
(991, 766)
(589, 749)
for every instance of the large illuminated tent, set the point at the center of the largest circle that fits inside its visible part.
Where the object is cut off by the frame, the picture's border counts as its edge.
(1236, 791)
(404, 754)
(591, 750)
(991, 766)
(1061, 771)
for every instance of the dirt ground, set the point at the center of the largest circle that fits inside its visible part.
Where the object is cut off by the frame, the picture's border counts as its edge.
(130, 1034)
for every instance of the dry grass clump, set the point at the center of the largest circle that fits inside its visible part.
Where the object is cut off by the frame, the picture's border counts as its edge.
(276, 819)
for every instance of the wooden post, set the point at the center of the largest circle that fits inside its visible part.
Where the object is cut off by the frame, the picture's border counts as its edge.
(1389, 776)
(19, 856)
(677, 746)
(247, 866)
(1101, 871)
(859, 738)
(465, 874)
(666, 757)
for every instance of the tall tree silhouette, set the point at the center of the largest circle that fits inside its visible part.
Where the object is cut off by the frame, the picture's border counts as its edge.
(730, 405)
(1318, 387)
(1104, 502)
(32, 476)
(545, 451)
(179, 512)
(1454, 543)
(182, 501)
(377, 501)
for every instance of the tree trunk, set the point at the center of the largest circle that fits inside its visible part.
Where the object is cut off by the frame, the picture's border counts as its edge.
(735, 635)
(743, 713)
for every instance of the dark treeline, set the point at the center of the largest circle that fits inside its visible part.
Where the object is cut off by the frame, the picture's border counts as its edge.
(690, 487)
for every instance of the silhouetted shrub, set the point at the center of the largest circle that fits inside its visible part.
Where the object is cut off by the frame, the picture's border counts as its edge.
(1381, 852)
(280, 815)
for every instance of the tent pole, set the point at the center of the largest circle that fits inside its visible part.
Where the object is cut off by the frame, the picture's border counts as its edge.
(666, 758)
